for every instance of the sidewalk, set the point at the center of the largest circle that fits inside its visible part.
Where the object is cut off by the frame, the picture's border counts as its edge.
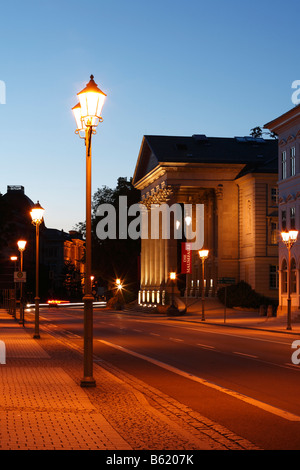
(43, 407)
(215, 313)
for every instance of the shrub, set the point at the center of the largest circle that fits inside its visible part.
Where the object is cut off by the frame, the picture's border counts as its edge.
(242, 295)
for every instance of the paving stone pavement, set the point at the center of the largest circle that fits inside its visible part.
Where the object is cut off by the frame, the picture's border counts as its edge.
(43, 407)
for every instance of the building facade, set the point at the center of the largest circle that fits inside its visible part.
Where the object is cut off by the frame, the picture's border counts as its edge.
(234, 180)
(287, 127)
(57, 248)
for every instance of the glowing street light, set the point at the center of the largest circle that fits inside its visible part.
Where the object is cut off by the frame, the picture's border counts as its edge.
(21, 247)
(37, 214)
(87, 115)
(14, 259)
(289, 238)
(203, 254)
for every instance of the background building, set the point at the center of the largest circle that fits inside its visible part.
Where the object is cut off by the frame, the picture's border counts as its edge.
(58, 250)
(236, 180)
(287, 127)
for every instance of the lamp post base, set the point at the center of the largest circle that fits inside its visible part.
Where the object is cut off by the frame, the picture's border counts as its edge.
(88, 382)
(37, 319)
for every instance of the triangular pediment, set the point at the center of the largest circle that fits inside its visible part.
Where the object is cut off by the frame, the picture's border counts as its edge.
(146, 162)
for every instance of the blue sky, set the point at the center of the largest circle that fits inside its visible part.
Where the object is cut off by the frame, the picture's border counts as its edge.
(168, 67)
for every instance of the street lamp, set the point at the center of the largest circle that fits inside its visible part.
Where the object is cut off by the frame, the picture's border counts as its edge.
(173, 279)
(289, 238)
(87, 114)
(203, 254)
(37, 214)
(21, 248)
(14, 259)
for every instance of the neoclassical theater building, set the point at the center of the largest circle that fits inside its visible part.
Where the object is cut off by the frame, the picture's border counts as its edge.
(234, 181)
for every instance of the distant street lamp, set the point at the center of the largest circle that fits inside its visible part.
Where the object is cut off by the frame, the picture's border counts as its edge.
(173, 279)
(14, 259)
(37, 214)
(289, 238)
(87, 114)
(21, 248)
(203, 254)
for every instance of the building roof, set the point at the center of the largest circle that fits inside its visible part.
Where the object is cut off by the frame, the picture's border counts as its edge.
(257, 154)
(286, 119)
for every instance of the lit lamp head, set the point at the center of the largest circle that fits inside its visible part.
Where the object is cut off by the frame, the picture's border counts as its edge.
(172, 276)
(22, 245)
(13, 258)
(37, 214)
(203, 254)
(79, 122)
(188, 220)
(91, 101)
(293, 235)
(289, 237)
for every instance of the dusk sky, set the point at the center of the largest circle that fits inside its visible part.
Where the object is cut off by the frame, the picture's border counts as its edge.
(168, 67)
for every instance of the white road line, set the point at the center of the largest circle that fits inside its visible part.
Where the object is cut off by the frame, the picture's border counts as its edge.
(251, 401)
(244, 354)
(154, 334)
(205, 346)
(176, 339)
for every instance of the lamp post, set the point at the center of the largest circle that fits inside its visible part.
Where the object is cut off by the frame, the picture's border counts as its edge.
(14, 259)
(37, 214)
(203, 254)
(21, 248)
(173, 278)
(289, 238)
(87, 114)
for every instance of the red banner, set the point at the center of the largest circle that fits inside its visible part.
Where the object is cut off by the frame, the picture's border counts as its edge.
(186, 258)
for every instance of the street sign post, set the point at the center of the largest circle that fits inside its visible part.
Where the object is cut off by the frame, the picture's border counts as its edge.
(225, 281)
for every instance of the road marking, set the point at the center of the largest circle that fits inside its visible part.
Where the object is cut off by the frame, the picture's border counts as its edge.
(154, 334)
(139, 331)
(205, 346)
(251, 401)
(176, 339)
(244, 354)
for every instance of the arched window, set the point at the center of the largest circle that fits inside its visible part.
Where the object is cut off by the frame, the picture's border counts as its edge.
(284, 276)
(293, 276)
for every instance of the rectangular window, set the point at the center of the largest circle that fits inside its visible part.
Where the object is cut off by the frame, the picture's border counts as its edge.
(292, 161)
(292, 218)
(283, 165)
(274, 233)
(283, 220)
(273, 276)
(274, 196)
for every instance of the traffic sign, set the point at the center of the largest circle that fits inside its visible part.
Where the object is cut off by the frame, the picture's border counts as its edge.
(20, 276)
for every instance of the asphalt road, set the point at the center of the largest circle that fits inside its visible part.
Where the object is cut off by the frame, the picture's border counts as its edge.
(242, 379)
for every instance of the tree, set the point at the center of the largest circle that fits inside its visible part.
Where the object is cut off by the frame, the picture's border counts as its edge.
(115, 258)
(257, 132)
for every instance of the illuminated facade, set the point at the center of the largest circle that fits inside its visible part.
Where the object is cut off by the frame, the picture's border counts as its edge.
(287, 127)
(236, 181)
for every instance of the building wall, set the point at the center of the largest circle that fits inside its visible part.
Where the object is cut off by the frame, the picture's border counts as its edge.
(258, 233)
(236, 229)
(289, 199)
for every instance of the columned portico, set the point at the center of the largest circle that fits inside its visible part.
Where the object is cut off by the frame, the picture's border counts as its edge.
(222, 182)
